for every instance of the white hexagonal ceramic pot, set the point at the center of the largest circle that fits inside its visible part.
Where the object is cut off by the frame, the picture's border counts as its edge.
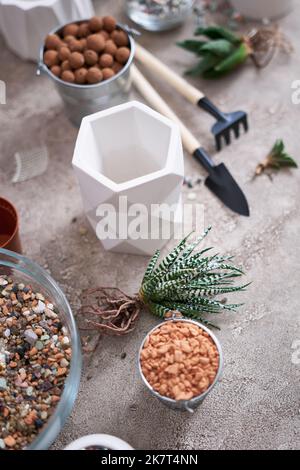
(25, 23)
(134, 154)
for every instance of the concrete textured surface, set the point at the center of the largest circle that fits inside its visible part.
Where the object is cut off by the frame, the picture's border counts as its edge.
(257, 403)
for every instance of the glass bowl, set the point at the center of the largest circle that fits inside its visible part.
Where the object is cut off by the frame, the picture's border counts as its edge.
(159, 15)
(28, 272)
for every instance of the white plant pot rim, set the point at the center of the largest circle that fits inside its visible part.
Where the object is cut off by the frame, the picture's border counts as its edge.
(134, 182)
(103, 440)
(28, 5)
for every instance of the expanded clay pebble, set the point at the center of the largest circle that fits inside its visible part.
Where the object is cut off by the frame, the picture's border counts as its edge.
(53, 41)
(109, 23)
(51, 58)
(180, 360)
(96, 42)
(95, 24)
(71, 30)
(68, 39)
(83, 43)
(34, 364)
(56, 70)
(76, 60)
(120, 38)
(107, 73)
(83, 30)
(75, 46)
(65, 66)
(106, 60)
(64, 53)
(110, 47)
(68, 76)
(94, 75)
(117, 67)
(104, 34)
(80, 75)
(122, 55)
(90, 57)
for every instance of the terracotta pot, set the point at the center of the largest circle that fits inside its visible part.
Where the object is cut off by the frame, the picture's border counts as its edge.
(9, 227)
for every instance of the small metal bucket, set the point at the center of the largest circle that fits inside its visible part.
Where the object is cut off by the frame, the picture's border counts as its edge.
(183, 405)
(82, 100)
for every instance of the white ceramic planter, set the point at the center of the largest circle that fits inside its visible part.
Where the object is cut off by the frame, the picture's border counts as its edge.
(130, 151)
(25, 23)
(99, 440)
(259, 9)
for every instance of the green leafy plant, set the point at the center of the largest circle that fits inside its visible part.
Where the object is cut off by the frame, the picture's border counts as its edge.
(278, 158)
(185, 281)
(222, 50)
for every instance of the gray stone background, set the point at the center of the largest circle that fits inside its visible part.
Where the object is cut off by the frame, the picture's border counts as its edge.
(257, 403)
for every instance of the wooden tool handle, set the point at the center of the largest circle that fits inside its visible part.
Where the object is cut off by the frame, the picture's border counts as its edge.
(176, 81)
(155, 100)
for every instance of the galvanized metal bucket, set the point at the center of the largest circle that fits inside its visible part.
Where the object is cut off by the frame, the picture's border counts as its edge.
(82, 100)
(183, 405)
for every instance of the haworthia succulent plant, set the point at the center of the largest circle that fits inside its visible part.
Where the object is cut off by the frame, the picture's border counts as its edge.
(189, 282)
(185, 282)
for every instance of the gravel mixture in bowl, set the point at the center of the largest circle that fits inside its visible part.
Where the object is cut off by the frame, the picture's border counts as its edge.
(35, 355)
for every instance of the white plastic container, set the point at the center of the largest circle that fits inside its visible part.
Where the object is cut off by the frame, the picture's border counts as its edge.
(260, 9)
(104, 441)
(25, 23)
(133, 153)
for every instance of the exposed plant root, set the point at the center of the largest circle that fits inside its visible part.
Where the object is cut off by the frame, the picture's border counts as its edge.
(112, 311)
(265, 42)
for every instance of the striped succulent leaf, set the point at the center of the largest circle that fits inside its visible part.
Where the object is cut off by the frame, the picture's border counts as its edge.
(196, 292)
(163, 269)
(158, 310)
(191, 262)
(151, 266)
(200, 306)
(171, 257)
(189, 250)
(179, 274)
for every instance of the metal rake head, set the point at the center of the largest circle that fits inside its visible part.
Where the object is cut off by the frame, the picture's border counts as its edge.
(227, 125)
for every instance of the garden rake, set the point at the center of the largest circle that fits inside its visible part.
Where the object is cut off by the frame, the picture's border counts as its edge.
(227, 123)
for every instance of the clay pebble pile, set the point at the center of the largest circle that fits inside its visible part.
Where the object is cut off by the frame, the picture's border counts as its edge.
(180, 360)
(35, 355)
(87, 53)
